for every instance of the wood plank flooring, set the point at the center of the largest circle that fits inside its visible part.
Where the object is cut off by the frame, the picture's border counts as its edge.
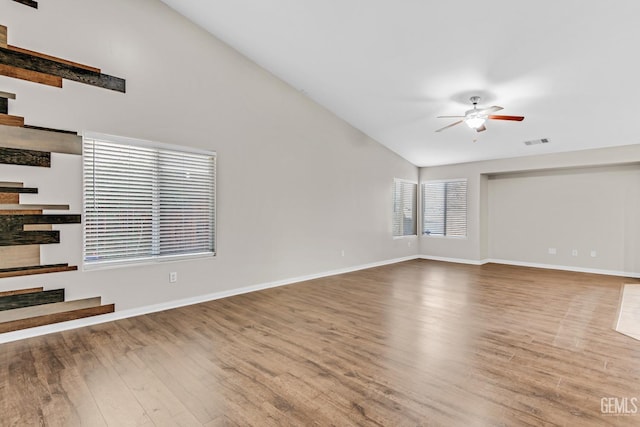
(418, 343)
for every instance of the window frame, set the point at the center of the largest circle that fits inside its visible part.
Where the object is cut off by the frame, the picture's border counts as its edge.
(154, 259)
(424, 210)
(415, 210)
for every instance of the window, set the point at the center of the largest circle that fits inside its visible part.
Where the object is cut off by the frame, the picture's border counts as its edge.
(404, 208)
(444, 208)
(146, 202)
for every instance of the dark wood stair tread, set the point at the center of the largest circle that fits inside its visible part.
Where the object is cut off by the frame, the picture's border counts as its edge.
(9, 302)
(23, 190)
(16, 156)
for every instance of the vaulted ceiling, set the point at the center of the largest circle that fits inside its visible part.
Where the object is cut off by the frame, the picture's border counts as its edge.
(571, 67)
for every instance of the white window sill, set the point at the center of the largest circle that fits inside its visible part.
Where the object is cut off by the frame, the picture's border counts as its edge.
(145, 262)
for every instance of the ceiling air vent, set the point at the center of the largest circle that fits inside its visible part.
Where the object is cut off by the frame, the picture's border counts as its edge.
(537, 141)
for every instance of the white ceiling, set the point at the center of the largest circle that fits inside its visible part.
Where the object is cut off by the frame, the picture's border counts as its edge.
(571, 67)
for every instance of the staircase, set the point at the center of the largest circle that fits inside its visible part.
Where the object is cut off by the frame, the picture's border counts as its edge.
(28, 308)
(24, 227)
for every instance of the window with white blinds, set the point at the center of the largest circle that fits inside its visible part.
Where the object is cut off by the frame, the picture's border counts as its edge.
(146, 202)
(404, 208)
(444, 208)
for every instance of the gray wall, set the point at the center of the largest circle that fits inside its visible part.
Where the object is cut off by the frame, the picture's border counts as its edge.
(296, 185)
(518, 208)
(594, 209)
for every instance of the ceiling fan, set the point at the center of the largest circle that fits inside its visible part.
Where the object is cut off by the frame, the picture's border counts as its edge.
(475, 118)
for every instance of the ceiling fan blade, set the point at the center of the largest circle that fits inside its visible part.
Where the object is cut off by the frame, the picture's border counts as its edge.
(481, 129)
(489, 110)
(512, 118)
(449, 117)
(451, 125)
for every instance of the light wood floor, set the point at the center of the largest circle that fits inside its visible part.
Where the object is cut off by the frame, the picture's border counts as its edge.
(415, 343)
(629, 313)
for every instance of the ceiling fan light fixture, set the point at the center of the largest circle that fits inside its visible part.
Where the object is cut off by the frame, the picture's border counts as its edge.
(475, 118)
(475, 122)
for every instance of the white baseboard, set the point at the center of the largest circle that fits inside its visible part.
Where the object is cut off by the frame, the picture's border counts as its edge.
(535, 265)
(456, 260)
(73, 324)
(565, 268)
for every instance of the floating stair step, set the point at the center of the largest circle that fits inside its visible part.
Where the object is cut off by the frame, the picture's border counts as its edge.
(36, 237)
(21, 207)
(15, 189)
(36, 62)
(36, 269)
(41, 140)
(20, 291)
(45, 309)
(48, 319)
(9, 120)
(13, 231)
(10, 222)
(10, 302)
(17, 156)
(30, 76)
(53, 58)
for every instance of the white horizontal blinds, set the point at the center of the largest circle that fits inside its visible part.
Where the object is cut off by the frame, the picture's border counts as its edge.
(143, 203)
(404, 208)
(445, 208)
(456, 213)
(119, 186)
(433, 209)
(186, 203)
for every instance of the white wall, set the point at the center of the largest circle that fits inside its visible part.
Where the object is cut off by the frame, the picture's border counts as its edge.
(296, 185)
(489, 229)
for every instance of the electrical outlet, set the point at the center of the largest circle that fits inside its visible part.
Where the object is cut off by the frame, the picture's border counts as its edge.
(594, 254)
(342, 253)
(574, 252)
(173, 277)
(552, 251)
